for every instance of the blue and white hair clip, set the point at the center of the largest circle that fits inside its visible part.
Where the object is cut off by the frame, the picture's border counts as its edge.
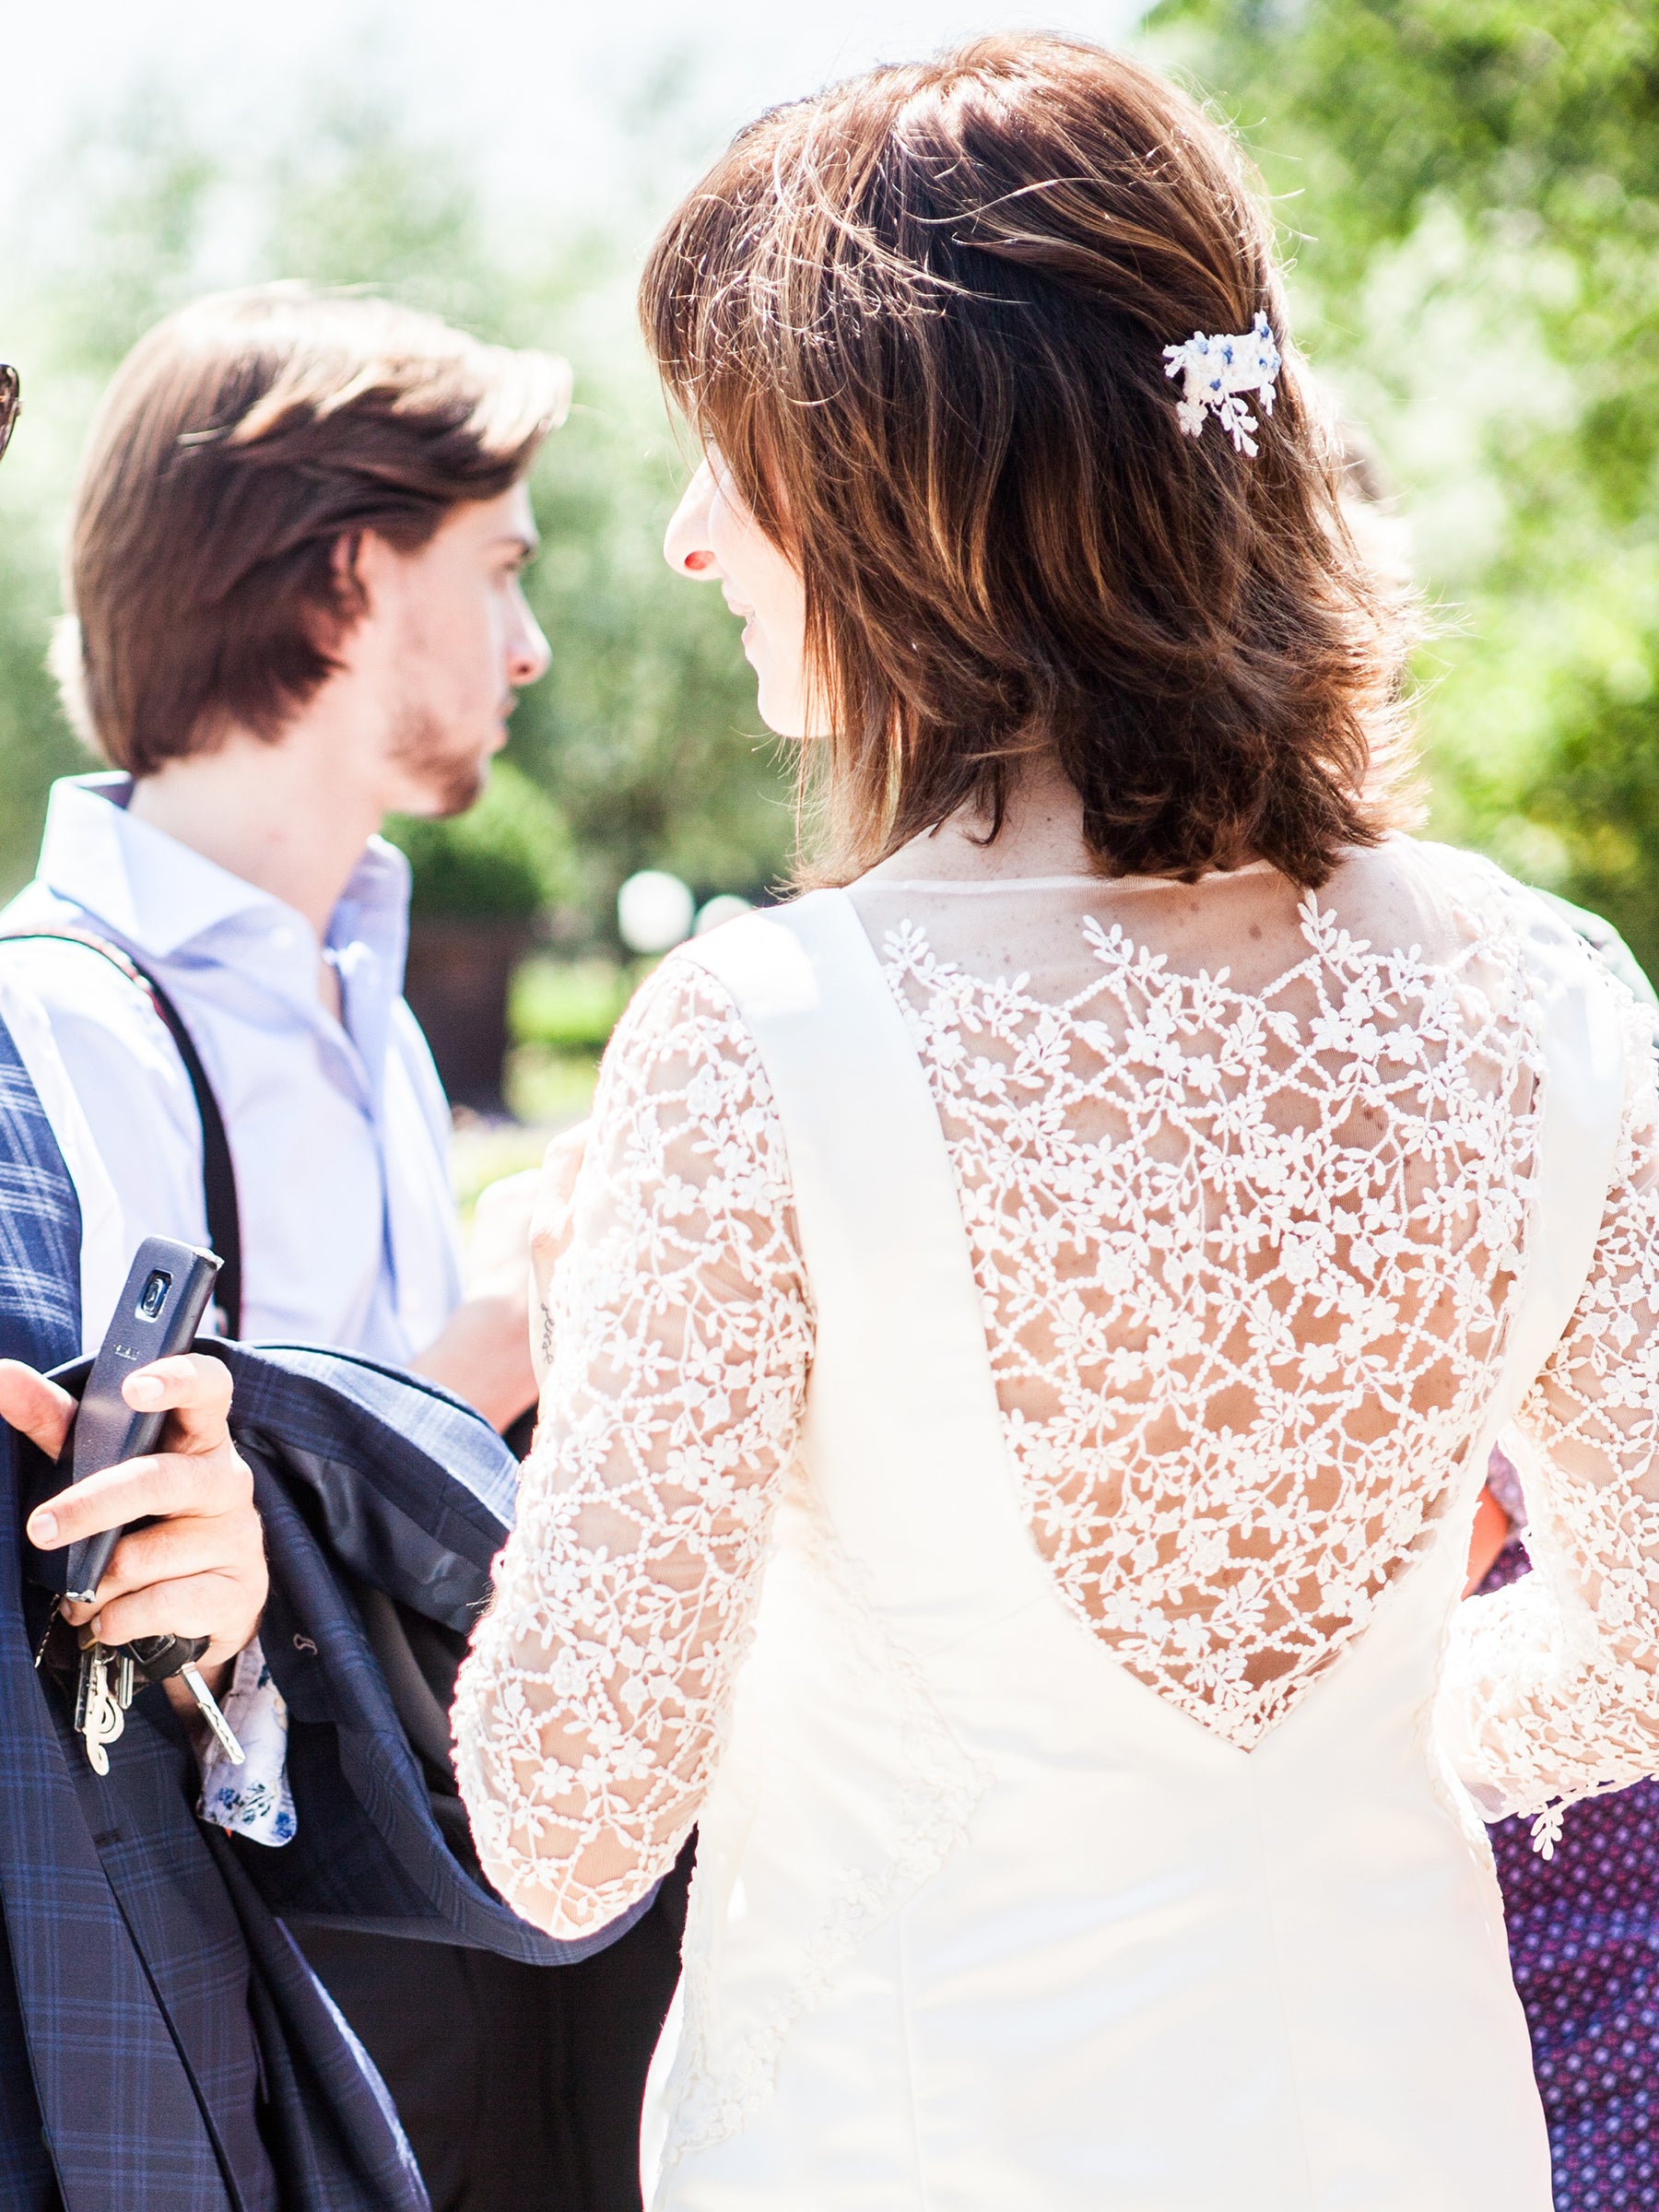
(1216, 371)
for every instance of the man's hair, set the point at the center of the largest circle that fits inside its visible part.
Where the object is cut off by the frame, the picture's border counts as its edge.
(239, 442)
(922, 317)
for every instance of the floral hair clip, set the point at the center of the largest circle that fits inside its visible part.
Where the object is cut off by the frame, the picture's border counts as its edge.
(1216, 370)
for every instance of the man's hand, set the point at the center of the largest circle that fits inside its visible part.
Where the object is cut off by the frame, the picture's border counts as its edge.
(482, 1353)
(200, 1570)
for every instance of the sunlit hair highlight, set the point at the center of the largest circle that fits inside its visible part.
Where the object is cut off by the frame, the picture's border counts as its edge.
(922, 317)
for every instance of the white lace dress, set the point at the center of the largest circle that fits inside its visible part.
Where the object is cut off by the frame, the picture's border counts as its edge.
(1015, 1391)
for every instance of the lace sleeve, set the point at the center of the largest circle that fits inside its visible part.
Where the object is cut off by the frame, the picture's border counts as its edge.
(589, 1713)
(1552, 1685)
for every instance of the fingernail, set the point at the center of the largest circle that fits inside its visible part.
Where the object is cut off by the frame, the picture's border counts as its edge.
(147, 1390)
(42, 1531)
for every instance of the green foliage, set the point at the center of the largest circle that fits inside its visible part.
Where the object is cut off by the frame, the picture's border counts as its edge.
(567, 1005)
(640, 743)
(35, 745)
(1471, 189)
(509, 855)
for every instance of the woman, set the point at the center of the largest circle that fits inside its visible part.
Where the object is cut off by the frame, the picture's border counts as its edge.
(1035, 1316)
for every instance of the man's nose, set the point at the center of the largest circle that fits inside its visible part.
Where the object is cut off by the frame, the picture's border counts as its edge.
(686, 541)
(529, 656)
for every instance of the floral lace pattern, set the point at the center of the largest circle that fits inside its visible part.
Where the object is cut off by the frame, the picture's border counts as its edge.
(1245, 1261)
(589, 1715)
(1556, 1687)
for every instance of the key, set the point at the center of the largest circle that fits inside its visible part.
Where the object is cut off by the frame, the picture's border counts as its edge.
(212, 1715)
(99, 1717)
(158, 1657)
(83, 1688)
(107, 1680)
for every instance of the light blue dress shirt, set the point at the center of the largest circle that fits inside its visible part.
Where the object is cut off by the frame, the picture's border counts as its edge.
(338, 1130)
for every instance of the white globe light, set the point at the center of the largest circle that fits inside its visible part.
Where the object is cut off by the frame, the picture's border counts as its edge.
(654, 911)
(726, 908)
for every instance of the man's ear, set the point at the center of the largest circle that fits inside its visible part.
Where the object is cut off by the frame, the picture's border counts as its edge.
(328, 625)
(344, 565)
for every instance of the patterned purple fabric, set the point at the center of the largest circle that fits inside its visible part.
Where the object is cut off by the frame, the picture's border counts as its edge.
(1584, 1936)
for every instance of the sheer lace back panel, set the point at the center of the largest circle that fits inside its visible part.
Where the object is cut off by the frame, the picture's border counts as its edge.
(1245, 1228)
(1246, 1181)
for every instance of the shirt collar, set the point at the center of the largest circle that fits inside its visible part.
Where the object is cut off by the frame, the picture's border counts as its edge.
(159, 895)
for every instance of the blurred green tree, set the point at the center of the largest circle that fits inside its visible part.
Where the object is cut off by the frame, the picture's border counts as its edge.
(1471, 192)
(641, 739)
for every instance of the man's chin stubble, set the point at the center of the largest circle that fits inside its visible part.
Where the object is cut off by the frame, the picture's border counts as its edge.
(449, 781)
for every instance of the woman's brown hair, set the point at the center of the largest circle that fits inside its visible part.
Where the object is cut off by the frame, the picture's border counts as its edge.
(922, 317)
(239, 442)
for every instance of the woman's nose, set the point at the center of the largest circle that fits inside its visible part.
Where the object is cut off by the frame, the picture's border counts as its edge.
(686, 541)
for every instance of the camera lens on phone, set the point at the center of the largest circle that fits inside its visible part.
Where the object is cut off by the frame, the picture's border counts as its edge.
(153, 1296)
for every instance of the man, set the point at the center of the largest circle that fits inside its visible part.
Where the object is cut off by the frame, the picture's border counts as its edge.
(137, 2064)
(294, 574)
(294, 571)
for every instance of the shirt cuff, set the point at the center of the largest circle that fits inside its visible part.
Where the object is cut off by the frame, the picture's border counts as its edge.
(251, 1800)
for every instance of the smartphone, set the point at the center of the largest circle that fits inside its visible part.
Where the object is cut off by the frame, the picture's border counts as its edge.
(158, 1312)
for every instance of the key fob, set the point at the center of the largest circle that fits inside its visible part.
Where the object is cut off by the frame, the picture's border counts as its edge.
(156, 1657)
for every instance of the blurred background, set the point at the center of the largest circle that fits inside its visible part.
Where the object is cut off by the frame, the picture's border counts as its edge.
(1469, 196)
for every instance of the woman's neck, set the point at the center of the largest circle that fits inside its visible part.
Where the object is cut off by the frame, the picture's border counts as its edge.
(1041, 834)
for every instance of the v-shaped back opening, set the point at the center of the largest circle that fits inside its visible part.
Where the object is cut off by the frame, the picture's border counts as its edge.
(1244, 1180)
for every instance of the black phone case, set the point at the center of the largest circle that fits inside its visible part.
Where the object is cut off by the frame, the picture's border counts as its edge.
(107, 1430)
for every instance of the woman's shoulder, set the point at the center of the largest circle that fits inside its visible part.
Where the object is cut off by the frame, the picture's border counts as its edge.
(1430, 888)
(698, 1007)
(684, 1079)
(1583, 984)
(1445, 873)
(751, 966)
(727, 1003)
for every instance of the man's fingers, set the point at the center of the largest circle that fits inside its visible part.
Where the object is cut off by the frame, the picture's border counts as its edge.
(195, 1390)
(36, 1409)
(165, 1482)
(561, 1163)
(169, 1551)
(497, 1259)
(550, 1224)
(214, 1605)
(199, 1474)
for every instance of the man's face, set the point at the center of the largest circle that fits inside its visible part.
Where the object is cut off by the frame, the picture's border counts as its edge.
(437, 660)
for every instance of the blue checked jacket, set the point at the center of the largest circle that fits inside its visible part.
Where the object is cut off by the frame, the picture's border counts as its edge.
(163, 2047)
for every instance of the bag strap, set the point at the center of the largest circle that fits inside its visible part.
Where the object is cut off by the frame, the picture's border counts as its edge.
(218, 1173)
